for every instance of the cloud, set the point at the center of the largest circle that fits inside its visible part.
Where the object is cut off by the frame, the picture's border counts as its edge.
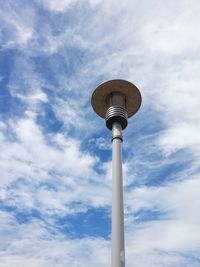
(34, 162)
(33, 249)
(17, 25)
(180, 137)
(166, 239)
(175, 35)
(101, 143)
(58, 6)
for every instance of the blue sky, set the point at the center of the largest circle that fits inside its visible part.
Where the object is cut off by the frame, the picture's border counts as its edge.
(55, 159)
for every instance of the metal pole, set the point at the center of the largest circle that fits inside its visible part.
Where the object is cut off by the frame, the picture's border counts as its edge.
(116, 101)
(118, 252)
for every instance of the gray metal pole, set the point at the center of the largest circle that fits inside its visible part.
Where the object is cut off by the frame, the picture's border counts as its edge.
(116, 101)
(118, 252)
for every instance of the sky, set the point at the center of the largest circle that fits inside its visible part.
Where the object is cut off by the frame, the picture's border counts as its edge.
(55, 152)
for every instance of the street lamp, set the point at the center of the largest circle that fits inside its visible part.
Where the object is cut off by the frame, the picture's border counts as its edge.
(116, 101)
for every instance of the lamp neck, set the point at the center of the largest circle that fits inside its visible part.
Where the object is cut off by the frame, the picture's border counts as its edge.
(117, 131)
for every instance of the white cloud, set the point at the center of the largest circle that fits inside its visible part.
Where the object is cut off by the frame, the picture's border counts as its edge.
(30, 244)
(70, 113)
(167, 198)
(18, 23)
(34, 98)
(177, 34)
(56, 160)
(101, 143)
(179, 137)
(26, 84)
(59, 5)
(164, 240)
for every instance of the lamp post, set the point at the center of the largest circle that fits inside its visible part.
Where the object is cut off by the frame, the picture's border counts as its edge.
(116, 101)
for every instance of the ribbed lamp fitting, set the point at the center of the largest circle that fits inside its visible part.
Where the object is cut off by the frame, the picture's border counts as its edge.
(116, 114)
